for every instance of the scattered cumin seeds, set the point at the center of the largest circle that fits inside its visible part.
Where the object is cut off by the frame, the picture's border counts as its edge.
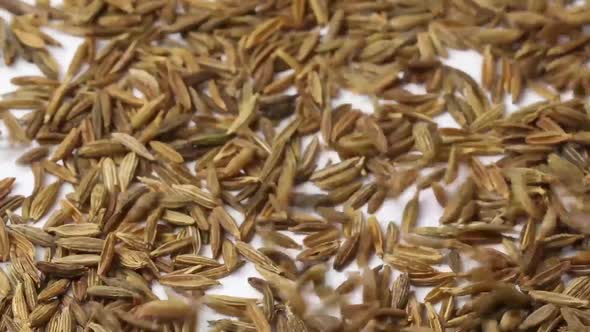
(182, 133)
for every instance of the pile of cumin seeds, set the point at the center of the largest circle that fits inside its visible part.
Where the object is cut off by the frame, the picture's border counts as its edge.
(175, 116)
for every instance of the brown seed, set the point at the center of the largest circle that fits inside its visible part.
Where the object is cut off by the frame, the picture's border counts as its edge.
(43, 312)
(346, 252)
(81, 243)
(16, 131)
(456, 203)
(257, 317)
(54, 289)
(35, 235)
(256, 257)
(19, 305)
(133, 145)
(107, 255)
(164, 310)
(362, 196)
(33, 155)
(227, 222)
(171, 247)
(557, 298)
(63, 173)
(166, 151)
(540, 315)
(127, 170)
(376, 235)
(279, 239)
(400, 292)
(43, 200)
(188, 282)
(141, 207)
(177, 218)
(410, 215)
(110, 292)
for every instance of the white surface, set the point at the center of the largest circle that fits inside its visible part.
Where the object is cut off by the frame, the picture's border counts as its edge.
(236, 284)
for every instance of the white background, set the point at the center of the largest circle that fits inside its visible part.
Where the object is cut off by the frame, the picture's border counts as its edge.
(236, 284)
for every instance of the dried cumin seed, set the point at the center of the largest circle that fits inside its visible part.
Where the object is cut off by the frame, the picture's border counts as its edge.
(540, 315)
(279, 239)
(171, 247)
(452, 166)
(35, 235)
(81, 243)
(101, 148)
(268, 302)
(43, 200)
(343, 193)
(166, 151)
(215, 234)
(15, 130)
(177, 218)
(361, 196)
(43, 313)
(346, 252)
(19, 305)
(557, 298)
(86, 184)
(82, 259)
(63, 173)
(179, 87)
(410, 215)
(230, 254)
(127, 170)
(318, 253)
(519, 190)
(110, 292)
(6, 186)
(257, 316)
(227, 222)
(188, 282)
(164, 310)
(365, 246)
(107, 255)
(376, 235)
(30, 290)
(146, 112)
(133, 145)
(256, 257)
(196, 195)
(455, 262)
(228, 305)
(286, 180)
(54, 289)
(511, 319)
(440, 194)
(33, 155)
(334, 169)
(5, 286)
(9, 324)
(400, 291)
(376, 200)
(433, 318)
(141, 206)
(391, 237)
(456, 203)
(317, 238)
(341, 178)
